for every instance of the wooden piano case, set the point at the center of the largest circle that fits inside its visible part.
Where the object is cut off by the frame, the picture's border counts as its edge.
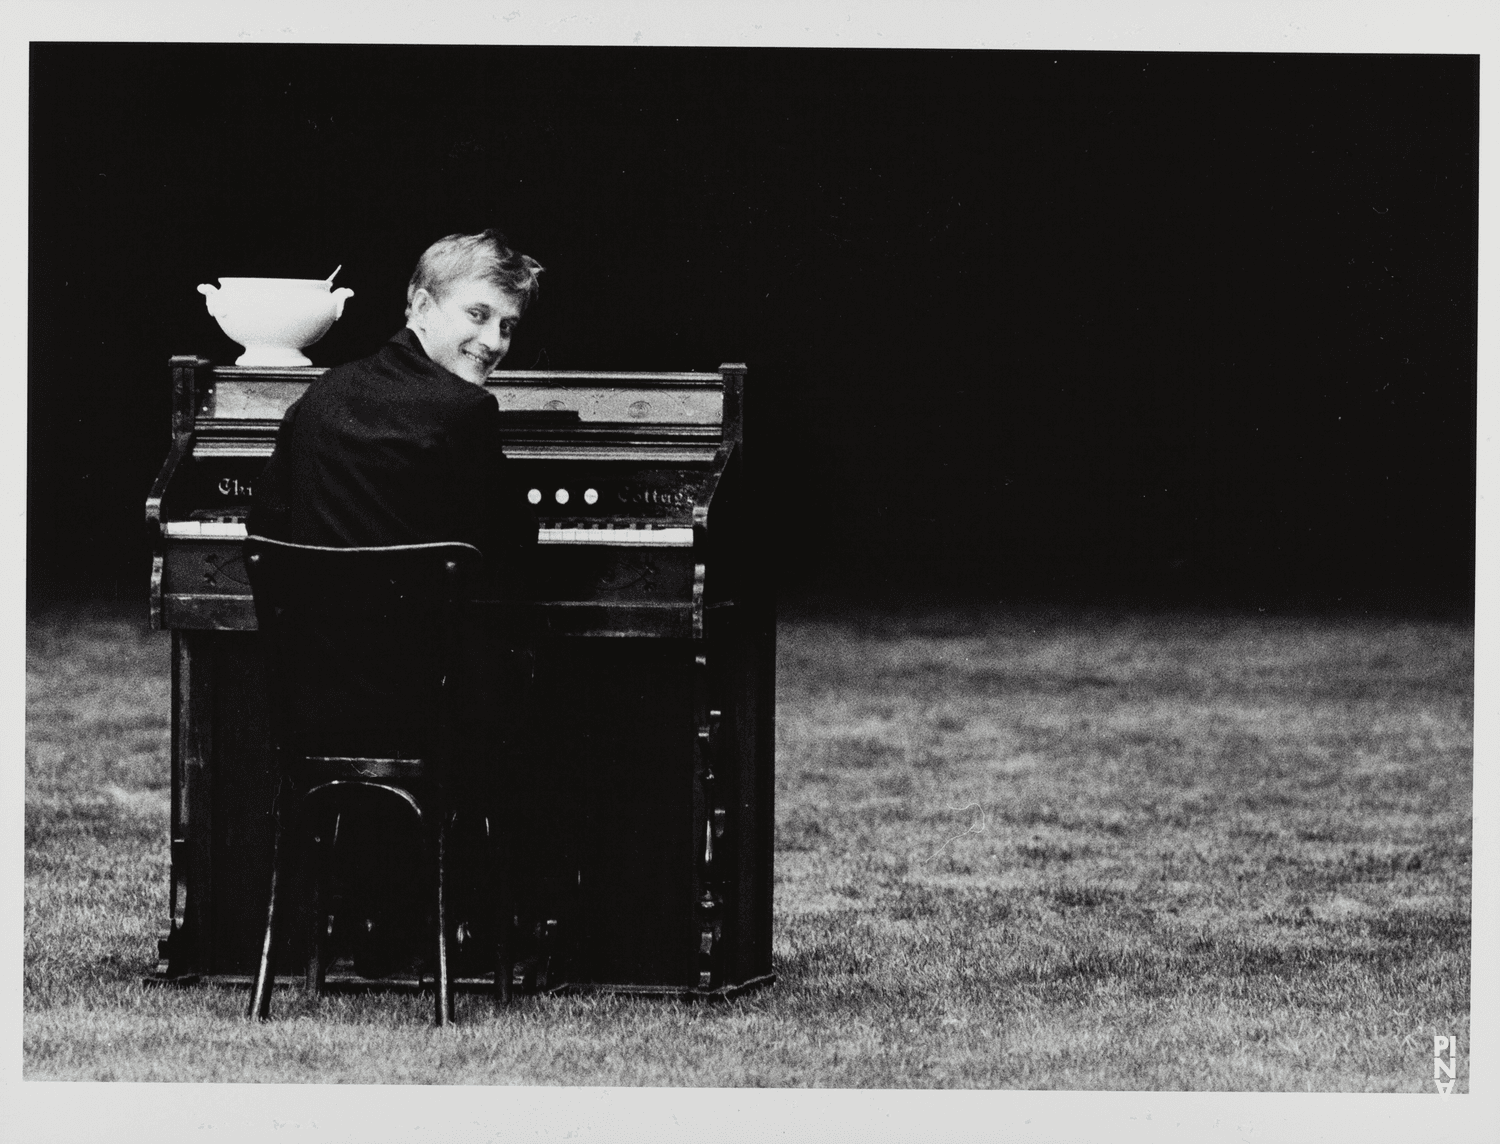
(643, 770)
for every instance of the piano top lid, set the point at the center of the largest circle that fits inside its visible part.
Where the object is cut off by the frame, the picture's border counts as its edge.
(587, 376)
(305, 373)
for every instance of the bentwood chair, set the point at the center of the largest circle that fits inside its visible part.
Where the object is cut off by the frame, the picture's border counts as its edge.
(363, 648)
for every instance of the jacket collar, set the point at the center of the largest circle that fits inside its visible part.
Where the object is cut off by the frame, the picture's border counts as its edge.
(407, 344)
(408, 347)
(407, 339)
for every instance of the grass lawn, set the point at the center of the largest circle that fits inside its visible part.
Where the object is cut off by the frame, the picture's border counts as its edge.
(1088, 851)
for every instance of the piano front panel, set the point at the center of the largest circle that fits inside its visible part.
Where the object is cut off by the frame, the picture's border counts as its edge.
(612, 532)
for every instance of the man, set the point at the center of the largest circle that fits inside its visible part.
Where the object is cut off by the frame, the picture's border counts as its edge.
(404, 447)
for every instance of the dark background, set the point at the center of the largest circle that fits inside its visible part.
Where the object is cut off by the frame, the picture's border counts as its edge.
(1071, 327)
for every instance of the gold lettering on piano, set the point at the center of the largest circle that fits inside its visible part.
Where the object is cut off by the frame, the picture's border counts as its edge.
(677, 498)
(234, 487)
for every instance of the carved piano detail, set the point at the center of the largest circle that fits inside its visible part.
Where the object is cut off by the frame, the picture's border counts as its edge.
(651, 718)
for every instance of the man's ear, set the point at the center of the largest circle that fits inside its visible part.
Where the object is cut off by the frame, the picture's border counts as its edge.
(421, 302)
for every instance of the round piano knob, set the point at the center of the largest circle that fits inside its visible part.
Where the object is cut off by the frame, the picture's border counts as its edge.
(535, 496)
(562, 496)
(590, 496)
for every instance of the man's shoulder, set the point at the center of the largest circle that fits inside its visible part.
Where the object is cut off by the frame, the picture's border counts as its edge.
(395, 373)
(390, 396)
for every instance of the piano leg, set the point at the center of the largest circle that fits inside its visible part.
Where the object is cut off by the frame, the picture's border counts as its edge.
(706, 891)
(503, 902)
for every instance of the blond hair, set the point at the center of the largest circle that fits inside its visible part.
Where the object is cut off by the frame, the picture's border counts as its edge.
(464, 257)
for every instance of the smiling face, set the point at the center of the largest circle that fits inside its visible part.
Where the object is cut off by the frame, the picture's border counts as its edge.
(468, 330)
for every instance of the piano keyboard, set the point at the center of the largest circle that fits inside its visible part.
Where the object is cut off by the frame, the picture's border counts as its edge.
(614, 534)
(597, 534)
(223, 529)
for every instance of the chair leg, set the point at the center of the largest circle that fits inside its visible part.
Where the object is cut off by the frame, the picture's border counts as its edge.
(505, 962)
(260, 994)
(442, 985)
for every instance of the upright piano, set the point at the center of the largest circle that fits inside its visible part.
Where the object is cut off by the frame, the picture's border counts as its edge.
(649, 699)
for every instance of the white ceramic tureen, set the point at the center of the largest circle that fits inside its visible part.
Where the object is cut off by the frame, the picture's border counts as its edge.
(275, 318)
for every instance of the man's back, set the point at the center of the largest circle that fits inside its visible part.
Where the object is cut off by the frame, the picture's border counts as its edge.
(392, 449)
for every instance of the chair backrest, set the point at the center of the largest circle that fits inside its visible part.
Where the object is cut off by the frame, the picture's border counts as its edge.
(361, 641)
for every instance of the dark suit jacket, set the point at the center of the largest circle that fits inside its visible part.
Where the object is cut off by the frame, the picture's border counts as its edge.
(393, 449)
